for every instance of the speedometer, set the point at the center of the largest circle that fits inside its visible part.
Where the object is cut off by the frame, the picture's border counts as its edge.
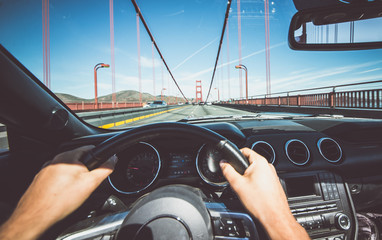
(136, 169)
(207, 165)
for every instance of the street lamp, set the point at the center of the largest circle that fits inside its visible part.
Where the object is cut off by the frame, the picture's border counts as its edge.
(218, 94)
(241, 66)
(96, 67)
(161, 93)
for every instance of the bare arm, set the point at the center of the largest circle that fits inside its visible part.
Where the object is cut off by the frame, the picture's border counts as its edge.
(56, 191)
(260, 191)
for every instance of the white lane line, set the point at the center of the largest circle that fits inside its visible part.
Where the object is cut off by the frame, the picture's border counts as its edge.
(192, 112)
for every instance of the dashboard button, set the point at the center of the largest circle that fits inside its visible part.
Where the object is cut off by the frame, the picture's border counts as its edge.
(228, 227)
(336, 195)
(342, 221)
(309, 223)
(218, 227)
(331, 196)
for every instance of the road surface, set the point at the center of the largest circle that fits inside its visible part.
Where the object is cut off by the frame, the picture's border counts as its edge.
(187, 111)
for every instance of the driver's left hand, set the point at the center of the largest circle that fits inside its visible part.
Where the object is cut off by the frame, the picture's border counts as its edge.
(56, 191)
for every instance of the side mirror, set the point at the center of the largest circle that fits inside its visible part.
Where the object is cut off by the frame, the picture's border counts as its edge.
(350, 27)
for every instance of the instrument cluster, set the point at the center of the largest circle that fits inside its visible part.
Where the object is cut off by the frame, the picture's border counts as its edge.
(142, 165)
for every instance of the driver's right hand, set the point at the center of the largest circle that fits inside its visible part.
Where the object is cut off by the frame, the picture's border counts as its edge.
(260, 191)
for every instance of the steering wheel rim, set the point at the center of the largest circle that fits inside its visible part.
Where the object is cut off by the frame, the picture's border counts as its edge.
(102, 152)
(166, 206)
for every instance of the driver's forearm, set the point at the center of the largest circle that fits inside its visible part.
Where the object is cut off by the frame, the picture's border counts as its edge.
(23, 226)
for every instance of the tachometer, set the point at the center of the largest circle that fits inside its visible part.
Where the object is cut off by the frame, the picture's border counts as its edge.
(136, 169)
(207, 165)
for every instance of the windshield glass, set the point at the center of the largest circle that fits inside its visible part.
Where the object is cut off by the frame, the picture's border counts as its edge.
(98, 58)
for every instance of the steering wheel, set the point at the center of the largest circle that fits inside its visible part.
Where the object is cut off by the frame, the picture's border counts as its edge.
(170, 212)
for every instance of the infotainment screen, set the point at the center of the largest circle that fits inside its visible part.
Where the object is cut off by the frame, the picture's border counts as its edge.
(300, 186)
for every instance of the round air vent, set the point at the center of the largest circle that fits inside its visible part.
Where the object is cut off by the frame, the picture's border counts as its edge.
(330, 150)
(297, 152)
(265, 150)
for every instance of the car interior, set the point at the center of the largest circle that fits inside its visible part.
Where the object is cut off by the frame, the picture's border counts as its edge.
(329, 167)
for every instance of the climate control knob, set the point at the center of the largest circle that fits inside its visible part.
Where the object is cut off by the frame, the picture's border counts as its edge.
(342, 221)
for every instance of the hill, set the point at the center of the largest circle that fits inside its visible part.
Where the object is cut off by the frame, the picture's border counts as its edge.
(127, 96)
(121, 96)
(68, 98)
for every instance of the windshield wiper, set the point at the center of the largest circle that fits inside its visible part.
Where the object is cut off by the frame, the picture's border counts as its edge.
(257, 117)
(228, 117)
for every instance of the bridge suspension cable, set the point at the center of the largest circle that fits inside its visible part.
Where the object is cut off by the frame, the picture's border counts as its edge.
(220, 45)
(138, 11)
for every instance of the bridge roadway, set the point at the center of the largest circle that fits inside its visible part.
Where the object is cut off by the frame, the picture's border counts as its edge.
(187, 111)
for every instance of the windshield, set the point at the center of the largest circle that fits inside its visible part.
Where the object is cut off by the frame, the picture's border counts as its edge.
(99, 58)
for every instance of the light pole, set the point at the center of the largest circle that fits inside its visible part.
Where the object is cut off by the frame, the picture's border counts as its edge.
(96, 67)
(161, 93)
(218, 94)
(241, 66)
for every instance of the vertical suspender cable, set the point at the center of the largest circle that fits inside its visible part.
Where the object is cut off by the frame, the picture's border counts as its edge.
(221, 83)
(266, 44)
(152, 53)
(139, 60)
(162, 76)
(327, 34)
(168, 89)
(220, 45)
(267, 51)
(335, 33)
(43, 40)
(228, 65)
(352, 32)
(111, 9)
(46, 43)
(239, 42)
(322, 34)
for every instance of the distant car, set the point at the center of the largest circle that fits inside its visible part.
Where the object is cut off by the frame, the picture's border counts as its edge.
(208, 103)
(158, 104)
(201, 103)
(147, 105)
(180, 103)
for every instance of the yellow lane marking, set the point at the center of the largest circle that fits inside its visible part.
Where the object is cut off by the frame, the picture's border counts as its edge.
(107, 125)
(115, 124)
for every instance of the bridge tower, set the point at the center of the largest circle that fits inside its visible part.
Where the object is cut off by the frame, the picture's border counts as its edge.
(199, 97)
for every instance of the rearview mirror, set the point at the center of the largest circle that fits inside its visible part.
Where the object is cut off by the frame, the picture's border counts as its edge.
(351, 27)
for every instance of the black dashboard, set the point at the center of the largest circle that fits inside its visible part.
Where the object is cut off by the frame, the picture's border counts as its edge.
(315, 158)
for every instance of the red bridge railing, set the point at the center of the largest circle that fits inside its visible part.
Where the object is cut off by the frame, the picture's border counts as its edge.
(367, 99)
(87, 106)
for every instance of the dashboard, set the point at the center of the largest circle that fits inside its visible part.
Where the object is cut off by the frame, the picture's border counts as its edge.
(317, 159)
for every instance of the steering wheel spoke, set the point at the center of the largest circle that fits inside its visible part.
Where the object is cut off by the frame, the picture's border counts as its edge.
(168, 212)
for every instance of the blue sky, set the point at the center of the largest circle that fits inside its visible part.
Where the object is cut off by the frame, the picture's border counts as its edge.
(187, 32)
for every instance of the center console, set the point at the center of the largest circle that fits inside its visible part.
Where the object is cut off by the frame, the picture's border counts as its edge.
(320, 202)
